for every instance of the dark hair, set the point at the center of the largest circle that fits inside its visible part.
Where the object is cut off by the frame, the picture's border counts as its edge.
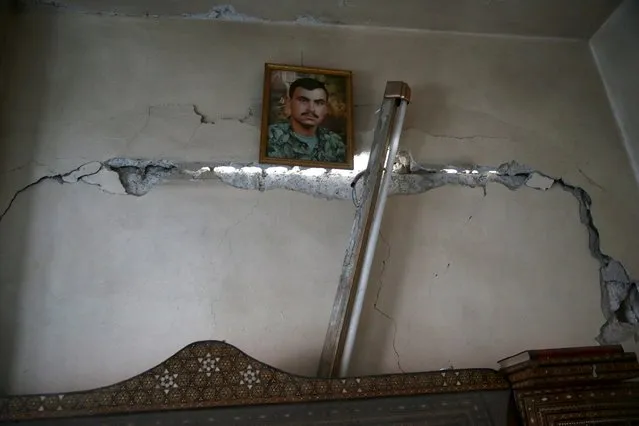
(308, 84)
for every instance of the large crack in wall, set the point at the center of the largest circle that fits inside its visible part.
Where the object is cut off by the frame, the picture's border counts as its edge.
(221, 12)
(619, 293)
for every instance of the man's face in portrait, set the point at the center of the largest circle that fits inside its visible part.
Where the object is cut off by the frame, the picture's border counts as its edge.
(309, 107)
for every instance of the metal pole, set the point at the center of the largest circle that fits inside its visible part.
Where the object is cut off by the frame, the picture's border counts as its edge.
(369, 254)
(341, 314)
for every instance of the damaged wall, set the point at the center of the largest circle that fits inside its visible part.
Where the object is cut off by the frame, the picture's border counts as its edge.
(97, 286)
(570, 18)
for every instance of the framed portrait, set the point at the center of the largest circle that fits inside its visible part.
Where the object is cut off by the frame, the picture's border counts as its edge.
(307, 117)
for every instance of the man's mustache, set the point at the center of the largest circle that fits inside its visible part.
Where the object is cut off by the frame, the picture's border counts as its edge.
(312, 114)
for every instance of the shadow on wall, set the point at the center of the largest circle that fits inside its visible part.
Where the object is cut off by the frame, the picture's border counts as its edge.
(23, 64)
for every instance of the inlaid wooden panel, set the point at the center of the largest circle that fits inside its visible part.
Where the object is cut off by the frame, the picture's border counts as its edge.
(214, 374)
(600, 404)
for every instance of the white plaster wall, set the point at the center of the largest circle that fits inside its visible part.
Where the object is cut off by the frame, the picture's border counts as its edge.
(104, 295)
(97, 287)
(615, 49)
(467, 277)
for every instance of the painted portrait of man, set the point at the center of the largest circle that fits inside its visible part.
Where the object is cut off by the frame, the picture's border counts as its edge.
(307, 120)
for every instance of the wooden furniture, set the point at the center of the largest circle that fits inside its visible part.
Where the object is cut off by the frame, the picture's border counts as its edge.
(575, 386)
(212, 382)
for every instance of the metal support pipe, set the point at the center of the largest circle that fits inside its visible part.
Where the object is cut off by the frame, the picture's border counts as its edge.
(378, 213)
(381, 159)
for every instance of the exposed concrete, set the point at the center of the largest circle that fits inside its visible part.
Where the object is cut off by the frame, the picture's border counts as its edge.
(570, 18)
(619, 292)
(227, 12)
(139, 176)
(224, 12)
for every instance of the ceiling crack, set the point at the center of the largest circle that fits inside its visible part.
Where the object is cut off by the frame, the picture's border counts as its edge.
(435, 135)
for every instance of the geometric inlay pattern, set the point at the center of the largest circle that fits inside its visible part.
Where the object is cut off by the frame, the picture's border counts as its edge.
(215, 374)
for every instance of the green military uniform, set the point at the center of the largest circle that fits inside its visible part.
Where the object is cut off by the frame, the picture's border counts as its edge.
(326, 145)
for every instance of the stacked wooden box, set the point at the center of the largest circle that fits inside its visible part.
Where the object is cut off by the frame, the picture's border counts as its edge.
(575, 385)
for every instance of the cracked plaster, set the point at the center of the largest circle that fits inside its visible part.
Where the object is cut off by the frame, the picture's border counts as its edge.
(377, 301)
(227, 12)
(185, 126)
(533, 18)
(619, 292)
(451, 122)
(222, 12)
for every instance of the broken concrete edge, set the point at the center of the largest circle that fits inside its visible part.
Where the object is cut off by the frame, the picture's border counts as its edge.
(138, 177)
(222, 12)
(227, 12)
(620, 294)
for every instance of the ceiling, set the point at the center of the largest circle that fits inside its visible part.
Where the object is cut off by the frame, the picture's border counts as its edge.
(546, 18)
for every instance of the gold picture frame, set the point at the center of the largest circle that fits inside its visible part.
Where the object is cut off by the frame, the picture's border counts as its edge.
(307, 117)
